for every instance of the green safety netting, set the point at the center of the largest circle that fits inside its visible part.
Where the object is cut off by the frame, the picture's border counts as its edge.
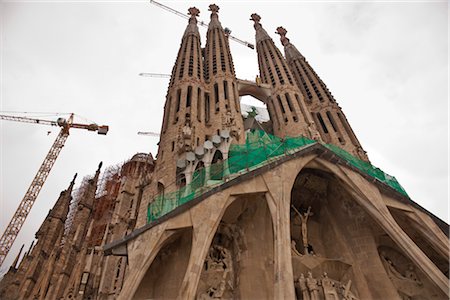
(260, 149)
(367, 168)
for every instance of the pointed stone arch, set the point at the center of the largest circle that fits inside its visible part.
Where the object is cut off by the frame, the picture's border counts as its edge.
(239, 263)
(369, 198)
(164, 276)
(217, 166)
(419, 234)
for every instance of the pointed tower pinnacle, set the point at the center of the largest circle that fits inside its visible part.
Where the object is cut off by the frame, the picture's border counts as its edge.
(286, 106)
(16, 260)
(61, 207)
(331, 121)
(48, 237)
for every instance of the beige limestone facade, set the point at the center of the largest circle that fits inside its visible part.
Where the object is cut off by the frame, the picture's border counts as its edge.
(303, 225)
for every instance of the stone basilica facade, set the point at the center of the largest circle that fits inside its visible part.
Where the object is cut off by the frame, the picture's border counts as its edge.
(315, 222)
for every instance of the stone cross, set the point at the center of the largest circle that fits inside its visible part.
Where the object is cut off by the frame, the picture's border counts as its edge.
(304, 218)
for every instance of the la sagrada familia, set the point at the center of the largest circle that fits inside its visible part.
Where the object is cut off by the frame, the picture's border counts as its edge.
(233, 208)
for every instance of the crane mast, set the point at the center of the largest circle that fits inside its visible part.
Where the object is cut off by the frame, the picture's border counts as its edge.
(19, 217)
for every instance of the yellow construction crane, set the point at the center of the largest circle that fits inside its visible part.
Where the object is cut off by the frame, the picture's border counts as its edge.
(14, 226)
(180, 14)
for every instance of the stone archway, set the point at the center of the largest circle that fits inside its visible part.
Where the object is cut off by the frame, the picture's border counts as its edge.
(163, 278)
(322, 223)
(416, 232)
(356, 214)
(239, 263)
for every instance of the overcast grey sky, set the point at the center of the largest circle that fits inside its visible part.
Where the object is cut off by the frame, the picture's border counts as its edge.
(386, 64)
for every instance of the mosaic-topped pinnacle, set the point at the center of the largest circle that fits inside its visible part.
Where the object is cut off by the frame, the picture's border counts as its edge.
(256, 18)
(282, 32)
(214, 9)
(261, 34)
(193, 12)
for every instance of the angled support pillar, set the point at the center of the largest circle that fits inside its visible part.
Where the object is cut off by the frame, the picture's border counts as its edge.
(204, 230)
(279, 199)
(372, 201)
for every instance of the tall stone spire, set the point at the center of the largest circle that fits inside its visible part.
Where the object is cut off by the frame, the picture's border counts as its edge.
(331, 121)
(48, 237)
(286, 105)
(184, 125)
(75, 238)
(222, 108)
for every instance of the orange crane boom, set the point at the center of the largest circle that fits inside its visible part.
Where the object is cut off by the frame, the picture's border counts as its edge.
(14, 226)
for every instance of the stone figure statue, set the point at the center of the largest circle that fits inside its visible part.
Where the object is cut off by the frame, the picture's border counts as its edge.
(304, 219)
(314, 134)
(313, 288)
(294, 248)
(303, 287)
(329, 288)
(410, 274)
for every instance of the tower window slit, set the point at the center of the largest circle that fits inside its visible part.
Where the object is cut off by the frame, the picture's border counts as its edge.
(189, 96)
(269, 69)
(262, 70)
(225, 89)
(300, 104)
(288, 99)
(305, 86)
(286, 71)
(191, 58)
(214, 54)
(333, 124)
(222, 55)
(230, 59)
(183, 59)
(322, 123)
(199, 53)
(207, 107)
(216, 97)
(281, 104)
(199, 104)
(348, 129)
(291, 107)
(178, 100)
(277, 68)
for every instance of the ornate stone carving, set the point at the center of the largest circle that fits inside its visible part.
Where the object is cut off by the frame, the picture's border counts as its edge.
(213, 8)
(304, 219)
(294, 248)
(282, 32)
(313, 133)
(256, 18)
(193, 12)
(403, 274)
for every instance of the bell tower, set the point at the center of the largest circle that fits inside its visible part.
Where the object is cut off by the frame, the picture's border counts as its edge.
(222, 106)
(286, 106)
(331, 121)
(202, 113)
(184, 118)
